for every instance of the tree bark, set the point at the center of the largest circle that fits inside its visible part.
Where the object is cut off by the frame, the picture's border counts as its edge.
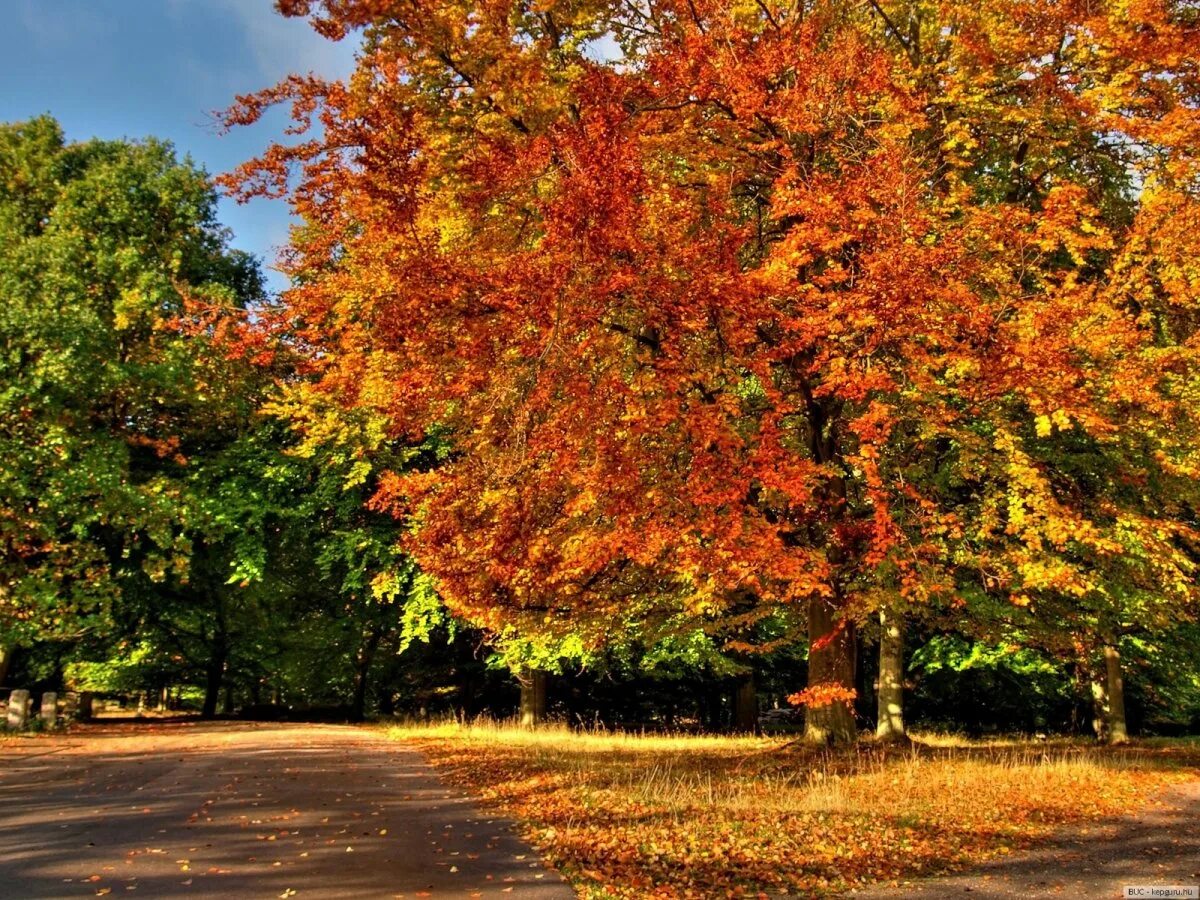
(889, 724)
(6, 655)
(831, 664)
(745, 704)
(533, 697)
(214, 675)
(366, 655)
(1115, 683)
(1099, 708)
(831, 644)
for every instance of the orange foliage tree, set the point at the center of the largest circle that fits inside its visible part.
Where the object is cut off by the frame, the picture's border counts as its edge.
(745, 310)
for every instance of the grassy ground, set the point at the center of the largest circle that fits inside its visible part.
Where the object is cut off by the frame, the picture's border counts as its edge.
(681, 816)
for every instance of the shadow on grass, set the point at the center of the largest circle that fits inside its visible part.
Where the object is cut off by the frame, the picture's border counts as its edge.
(703, 819)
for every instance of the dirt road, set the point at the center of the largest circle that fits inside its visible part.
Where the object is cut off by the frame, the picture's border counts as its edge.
(239, 810)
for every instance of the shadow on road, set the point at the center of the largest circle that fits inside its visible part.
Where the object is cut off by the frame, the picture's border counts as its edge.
(212, 809)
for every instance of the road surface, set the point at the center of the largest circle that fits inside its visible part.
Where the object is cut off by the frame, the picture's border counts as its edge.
(234, 810)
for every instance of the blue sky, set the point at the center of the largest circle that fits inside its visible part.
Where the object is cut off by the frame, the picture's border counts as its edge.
(133, 68)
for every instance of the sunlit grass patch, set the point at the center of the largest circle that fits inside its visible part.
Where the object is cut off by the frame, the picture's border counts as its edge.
(629, 815)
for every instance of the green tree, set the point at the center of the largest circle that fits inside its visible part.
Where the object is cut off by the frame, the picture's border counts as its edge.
(99, 400)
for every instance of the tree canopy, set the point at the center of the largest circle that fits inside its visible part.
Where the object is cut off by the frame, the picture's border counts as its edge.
(101, 405)
(762, 312)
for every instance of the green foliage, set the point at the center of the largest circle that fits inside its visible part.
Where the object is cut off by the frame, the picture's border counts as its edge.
(1163, 680)
(954, 654)
(98, 394)
(148, 505)
(978, 687)
(132, 668)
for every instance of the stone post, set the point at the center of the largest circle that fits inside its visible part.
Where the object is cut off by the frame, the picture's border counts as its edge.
(18, 709)
(49, 709)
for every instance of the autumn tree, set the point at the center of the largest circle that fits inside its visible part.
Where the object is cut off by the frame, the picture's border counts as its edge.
(761, 310)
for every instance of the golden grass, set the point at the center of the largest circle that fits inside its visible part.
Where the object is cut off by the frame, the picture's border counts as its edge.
(631, 815)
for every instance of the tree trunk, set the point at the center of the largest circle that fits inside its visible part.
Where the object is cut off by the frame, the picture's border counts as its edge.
(366, 655)
(1099, 708)
(1117, 732)
(214, 675)
(1074, 671)
(745, 704)
(533, 697)
(387, 704)
(890, 720)
(6, 655)
(830, 665)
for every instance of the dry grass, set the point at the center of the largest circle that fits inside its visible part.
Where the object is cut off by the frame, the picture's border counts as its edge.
(628, 815)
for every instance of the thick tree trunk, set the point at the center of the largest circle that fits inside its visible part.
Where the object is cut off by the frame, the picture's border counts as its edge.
(213, 676)
(6, 655)
(745, 704)
(533, 697)
(890, 720)
(1117, 731)
(830, 665)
